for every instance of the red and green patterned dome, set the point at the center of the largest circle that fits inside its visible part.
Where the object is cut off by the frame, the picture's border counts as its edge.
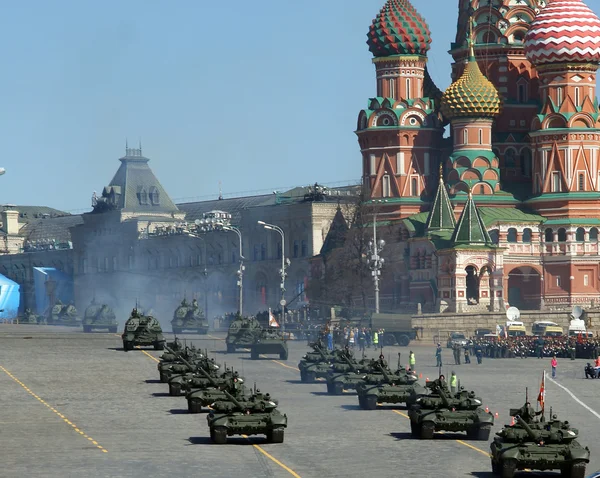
(398, 30)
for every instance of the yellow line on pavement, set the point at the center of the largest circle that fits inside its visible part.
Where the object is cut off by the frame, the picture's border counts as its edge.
(213, 337)
(286, 366)
(51, 408)
(457, 441)
(273, 459)
(151, 356)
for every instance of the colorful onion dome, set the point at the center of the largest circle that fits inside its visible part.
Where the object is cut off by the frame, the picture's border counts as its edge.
(564, 31)
(398, 30)
(472, 95)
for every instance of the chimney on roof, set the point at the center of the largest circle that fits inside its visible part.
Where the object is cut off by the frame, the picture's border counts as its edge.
(10, 221)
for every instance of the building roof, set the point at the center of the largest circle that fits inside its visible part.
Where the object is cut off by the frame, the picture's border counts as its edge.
(491, 215)
(470, 229)
(337, 233)
(398, 30)
(32, 213)
(441, 215)
(53, 228)
(564, 31)
(234, 206)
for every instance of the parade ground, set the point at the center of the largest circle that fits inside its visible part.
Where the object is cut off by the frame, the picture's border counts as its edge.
(75, 404)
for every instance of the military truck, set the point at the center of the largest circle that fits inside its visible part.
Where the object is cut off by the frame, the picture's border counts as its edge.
(63, 314)
(142, 330)
(189, 318)
(256, 415)
(536, 444)
(269, 342)
(242, 333)
(443, 411)
(399, 329)
(99, 316)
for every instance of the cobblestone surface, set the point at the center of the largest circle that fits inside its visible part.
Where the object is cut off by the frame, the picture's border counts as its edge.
(76, 404)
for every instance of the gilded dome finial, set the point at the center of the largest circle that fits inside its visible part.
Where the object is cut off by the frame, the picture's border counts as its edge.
(470, 41)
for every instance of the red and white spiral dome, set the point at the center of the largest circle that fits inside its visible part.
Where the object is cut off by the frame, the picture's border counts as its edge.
(565, 31)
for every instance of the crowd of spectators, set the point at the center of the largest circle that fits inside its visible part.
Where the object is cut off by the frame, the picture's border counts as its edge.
(533, 346)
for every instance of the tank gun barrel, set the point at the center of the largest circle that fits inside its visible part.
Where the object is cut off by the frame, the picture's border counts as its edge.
(386, 375)
(527, 428)
(236, 402)
(353, 367)
(442, 393)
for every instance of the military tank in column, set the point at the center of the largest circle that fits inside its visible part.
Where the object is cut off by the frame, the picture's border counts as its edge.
(142, 330)
(101, 317)
(242, 333)
(269, 342)
(442, 411)
(315, 364)
(255, 415)
(189, 318)
(536, 444)
(63, 314)
(346, 373)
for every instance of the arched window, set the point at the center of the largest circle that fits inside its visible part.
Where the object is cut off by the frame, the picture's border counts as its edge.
(392, 88)
(465, 136)
(304, 249)
(558, 96)
(593, 234)
(408, 88)
(580, 234)
(263, 252)
(581, 182)
(526, 162)
(495, 236)
(296, 248)
(385, 186)
(512, 235)
(413, 187)
(549, 235)
(480, 136)
(577, 99)
(527, 235)
(509, 158)
(562, 235)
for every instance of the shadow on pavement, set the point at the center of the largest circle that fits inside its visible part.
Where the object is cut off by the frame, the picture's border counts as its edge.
(200, 440)
(488, 474)
(152, 381)
(179, 411)
(402, 436)
(351, 407)
(161, 394)
(296, 382)
(322, 394)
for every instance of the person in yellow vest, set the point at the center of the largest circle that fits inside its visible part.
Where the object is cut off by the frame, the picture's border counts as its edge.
(453, 383)
(411, 360)
(375, 339)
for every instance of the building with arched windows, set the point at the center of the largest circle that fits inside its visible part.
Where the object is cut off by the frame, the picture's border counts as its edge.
(504, 211)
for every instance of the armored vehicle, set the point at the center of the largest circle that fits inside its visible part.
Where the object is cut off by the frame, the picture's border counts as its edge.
(242, 333)
(538, 444)
(172, 351)
(30, 318)
(388, 387)
(315, 364)
(63, 314)
(194, 377)
(346, 374)
(254, 415)
(442, 411)
(190, 318)
(142, 330)
(214, 391)
(171, 368)
(98, 316)
(269, 342)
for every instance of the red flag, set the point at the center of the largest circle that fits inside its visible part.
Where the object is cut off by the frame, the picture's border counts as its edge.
(542, 395)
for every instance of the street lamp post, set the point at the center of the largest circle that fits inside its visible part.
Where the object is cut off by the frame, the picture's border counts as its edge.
(204, 272)
(375, 261)
(222, 224)
(285, 263)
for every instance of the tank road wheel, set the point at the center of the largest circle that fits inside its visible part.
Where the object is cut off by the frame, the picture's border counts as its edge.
(127, 345)
(369, 402)
(427, 429)
(163, 377)
(310, 377)
(175, 389)
(483, 432)
(337, 388)
(219, 435)
(303, 376)
(254, 355)
(578, 469)
(275, 435)
(329, 389)
(283, 355)
(495, 468)
(415, 429)
(159, 345)
(508, 468)
(230, 348)
(113, 329)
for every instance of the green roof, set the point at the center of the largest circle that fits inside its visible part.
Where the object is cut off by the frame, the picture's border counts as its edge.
(491, 215)
(591, 221)
(441, 216)
(470, 229)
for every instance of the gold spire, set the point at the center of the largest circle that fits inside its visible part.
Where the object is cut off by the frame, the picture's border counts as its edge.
(470, 41)
(441, 173)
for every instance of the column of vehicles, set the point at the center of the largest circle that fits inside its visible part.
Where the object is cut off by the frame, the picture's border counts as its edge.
(255, 334)
(233, 409)
(530, 442)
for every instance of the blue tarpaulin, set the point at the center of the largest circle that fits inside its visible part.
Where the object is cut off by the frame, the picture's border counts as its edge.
(50, 282)
(10, 297)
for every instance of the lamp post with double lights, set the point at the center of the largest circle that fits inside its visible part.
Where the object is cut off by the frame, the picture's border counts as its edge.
(285, 264)
(219, 221)
(374, 259)
(204, 272)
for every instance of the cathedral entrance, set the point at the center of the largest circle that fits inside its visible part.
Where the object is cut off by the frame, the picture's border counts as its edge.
(472, 285)
(524, 288)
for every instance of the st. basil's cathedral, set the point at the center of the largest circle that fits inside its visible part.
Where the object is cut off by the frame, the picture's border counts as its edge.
(506, 211)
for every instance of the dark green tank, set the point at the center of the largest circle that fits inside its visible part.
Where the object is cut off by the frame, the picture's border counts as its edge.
(99, 316)
(346, 372)
(230, 381)
(315, 364)
(178, 366)
(142, 330)
(536, 444)
(254, 415)
(442, 411)
(242, 333)
(189, 318)
(269, 342)
(63, 314)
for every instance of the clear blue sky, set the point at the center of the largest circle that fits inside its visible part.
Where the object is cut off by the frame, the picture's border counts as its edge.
(258, 95)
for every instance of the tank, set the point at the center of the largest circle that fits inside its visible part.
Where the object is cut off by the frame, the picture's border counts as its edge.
(176, 366)
(99, 316)
(346, 373)
(387, 386)
(142, 330)
(242, 333)
(536, 444)
(254, 415)
(269, 342)
(189, 318)
(442, 411)
(63, 314)
(201, 398)
(195, 376)
(315, 364)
